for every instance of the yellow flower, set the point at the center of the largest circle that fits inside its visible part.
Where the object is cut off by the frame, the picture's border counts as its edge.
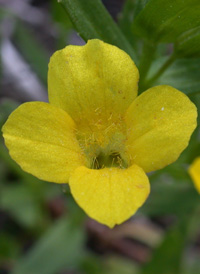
(96, 135)
(194, 171)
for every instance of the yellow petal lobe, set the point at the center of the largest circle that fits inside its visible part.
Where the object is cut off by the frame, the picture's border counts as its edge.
(41, 139)
(194, 171)
(109, 195)
(159, 125)
(94, 83)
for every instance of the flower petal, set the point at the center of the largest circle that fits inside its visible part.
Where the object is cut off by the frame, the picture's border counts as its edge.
(110, 195)
(92, 83)
(41, 139)
(160, 122)
(194, 171)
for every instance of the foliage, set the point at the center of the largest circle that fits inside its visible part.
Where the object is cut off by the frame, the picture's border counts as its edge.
(42, 230)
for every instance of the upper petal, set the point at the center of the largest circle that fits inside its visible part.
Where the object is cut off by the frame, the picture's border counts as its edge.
(93, 83)
(41, 139)
(194, 171)
(160, 122)
(110, 195)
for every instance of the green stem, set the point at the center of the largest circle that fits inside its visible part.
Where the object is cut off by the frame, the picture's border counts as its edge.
(147, 58)
(168, 63)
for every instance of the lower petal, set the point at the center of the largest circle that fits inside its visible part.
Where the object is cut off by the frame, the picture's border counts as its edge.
(41, 139)
(110, 195)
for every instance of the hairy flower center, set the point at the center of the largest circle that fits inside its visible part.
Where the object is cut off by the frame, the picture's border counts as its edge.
(105, 146)
(112, 160)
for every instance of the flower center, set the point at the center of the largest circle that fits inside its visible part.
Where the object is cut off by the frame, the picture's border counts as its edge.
(104, 147)
(111, 160)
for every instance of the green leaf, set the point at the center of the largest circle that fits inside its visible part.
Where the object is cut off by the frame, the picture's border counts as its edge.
(6, 107)
(91, 263)
(164, 21)
(193, 266)
(59, 248)
(32, 50)
(168, 197)
(188, 44)
(126, 18)
(92, 20)
(167, 257)
(130, 10)
(21, 204)
(63, 24)
(183, 74)
(139, 6)
(120, 265)
(9, 247)
(59, 15)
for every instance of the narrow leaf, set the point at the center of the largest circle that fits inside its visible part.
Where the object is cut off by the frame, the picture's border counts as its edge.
(164, 21)
(167, 257)
(32, 50)
(188, 44)
(170, 188)
(92, 20)
(58, 249)
(183, 74)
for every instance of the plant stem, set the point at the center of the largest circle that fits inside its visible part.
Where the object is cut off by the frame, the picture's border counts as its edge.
(147, 58)
(168, 63)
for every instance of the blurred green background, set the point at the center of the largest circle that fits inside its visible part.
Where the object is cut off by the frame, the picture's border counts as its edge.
(42, 230)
